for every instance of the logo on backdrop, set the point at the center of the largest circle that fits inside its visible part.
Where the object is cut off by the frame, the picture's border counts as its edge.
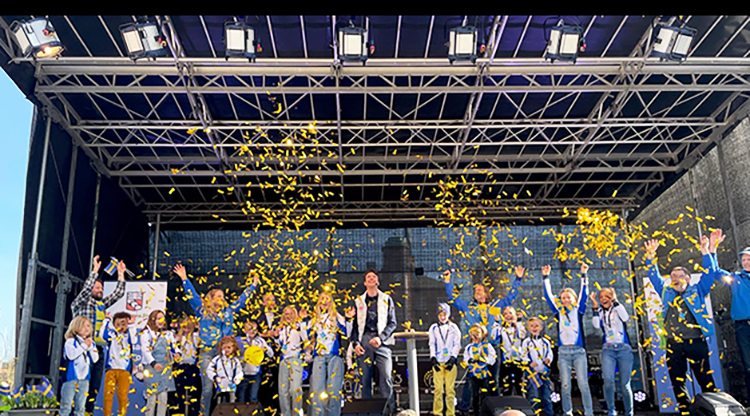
(134, 301)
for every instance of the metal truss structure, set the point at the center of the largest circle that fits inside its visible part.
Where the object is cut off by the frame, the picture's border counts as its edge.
(605, 132)
(196, 139)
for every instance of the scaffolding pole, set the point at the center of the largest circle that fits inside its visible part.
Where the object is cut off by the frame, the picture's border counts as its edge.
(156, 247)
(96, 218)
(28, 294)
(63, 283)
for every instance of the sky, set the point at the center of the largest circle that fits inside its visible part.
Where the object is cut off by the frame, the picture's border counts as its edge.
(15, 124)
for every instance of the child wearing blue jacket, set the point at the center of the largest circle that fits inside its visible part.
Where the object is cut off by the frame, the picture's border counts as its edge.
(569, 309)
(80, 352)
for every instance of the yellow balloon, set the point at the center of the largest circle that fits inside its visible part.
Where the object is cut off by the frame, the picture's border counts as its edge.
(254, 355)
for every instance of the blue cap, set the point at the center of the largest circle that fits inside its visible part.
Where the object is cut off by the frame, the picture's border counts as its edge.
(745, 251)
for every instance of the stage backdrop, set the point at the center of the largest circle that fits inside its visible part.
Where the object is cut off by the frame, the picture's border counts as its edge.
(141, 298)
(654, 307)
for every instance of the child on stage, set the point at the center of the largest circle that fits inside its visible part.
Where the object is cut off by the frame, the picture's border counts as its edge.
(536, 353)
(247, 390)
(445, 343)
(159, 352)
(118, 362)
(80, 352)
(479, 356)
(225, 370)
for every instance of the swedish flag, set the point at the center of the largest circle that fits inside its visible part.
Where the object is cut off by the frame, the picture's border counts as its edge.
(112, 266)
(17, 393)
(4, 390)
(46, 388)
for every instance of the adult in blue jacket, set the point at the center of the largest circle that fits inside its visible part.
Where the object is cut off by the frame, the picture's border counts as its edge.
(481, 310)
(684, 321)
(216, 320)
(739, 283)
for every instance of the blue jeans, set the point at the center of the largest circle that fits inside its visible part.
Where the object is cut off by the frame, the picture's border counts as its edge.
(574, 357)
(74, 391)
(247, 390)
(207, 393)
(326, 384)
(617, 356)
(542, 394)
(381, 357)
(742, 333)
(290, 386)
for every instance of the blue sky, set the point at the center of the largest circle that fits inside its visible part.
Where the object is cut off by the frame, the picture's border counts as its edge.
(15, 123)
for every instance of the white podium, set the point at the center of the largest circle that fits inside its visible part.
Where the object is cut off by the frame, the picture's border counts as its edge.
(411, 338)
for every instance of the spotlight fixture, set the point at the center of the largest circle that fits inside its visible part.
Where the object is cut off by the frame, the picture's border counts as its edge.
(462, 44)
(565, 42)
(672, 43)
(143, 40)
(353, 44)
(37, 38)
(240, 41)
(640, 396)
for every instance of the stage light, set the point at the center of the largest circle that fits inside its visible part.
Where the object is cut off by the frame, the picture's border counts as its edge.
(143, 40)
(640, 396)
(37, 38)
(462, 44)
(240, 41)
(565, 41)
(555, 397)
(353, 44)
(672, 43)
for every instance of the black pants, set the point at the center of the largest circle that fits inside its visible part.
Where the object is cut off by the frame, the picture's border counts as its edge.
(188, 385)
(480, 389)
(511, 377)
(679, 354)
(268, 394)
(742, 332)
(97, 372)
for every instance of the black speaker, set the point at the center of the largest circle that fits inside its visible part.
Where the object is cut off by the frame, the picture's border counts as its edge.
(496, 405)
(365, 407)
(712, 404)
(237, 409)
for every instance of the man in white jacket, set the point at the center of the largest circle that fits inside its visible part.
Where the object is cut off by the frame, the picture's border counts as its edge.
(372, 335)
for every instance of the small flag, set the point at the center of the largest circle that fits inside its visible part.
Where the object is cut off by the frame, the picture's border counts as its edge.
(46, 388)
(17, 393)
(4, 390)
(111, 267)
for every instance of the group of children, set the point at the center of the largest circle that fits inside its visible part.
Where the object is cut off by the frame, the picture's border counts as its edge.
(522, 357)
(519, 354)
(505, 355)
(169, 362)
